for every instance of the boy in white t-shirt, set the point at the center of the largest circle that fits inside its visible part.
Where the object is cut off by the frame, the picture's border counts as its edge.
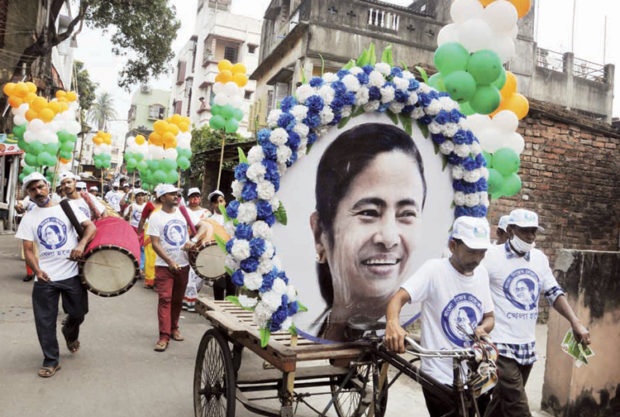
(456, 303)
(56, 272)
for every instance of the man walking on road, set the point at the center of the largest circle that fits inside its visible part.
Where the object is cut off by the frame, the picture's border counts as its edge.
(517, 274)
(55, 269)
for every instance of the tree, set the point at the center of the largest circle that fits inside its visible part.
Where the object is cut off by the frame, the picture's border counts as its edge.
(146, 28)
(102, 110)
(85, 88)
(205, 139)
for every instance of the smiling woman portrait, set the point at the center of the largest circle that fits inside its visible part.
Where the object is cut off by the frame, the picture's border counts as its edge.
(370, 193)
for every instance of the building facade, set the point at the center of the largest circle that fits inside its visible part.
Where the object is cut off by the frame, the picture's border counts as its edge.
(219, 34)
(147, 106)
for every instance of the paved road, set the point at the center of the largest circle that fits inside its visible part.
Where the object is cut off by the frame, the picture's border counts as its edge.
(117, 373)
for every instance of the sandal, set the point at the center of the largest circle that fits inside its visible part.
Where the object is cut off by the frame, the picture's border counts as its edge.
(176, 335)
(48, 371)
(161, 346)
(73, 346)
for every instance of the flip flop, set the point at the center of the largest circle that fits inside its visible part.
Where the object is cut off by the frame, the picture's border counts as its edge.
(176, 335)
(161, 346)
(48, 371)
(73, 346)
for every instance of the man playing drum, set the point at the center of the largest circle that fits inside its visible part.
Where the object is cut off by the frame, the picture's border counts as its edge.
(56, 272)
(169, 236)
(194, 282)
(91, 208)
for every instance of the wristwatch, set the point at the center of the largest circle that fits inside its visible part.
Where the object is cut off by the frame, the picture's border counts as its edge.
(194, 240)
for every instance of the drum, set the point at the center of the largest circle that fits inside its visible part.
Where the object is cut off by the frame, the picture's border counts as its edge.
(207, 260)
(111, 263)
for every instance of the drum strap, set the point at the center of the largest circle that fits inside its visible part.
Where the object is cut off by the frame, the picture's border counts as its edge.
(94, 212)
(66, 207)
(190, 224)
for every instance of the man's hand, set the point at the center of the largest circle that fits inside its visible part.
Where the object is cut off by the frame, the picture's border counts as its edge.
(174, 267)
(42, 275)
(77, 252)
(582, 335)
(189, 246)
(19, 208)
(395, 337)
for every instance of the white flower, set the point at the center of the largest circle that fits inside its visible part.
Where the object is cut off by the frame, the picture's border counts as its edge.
(434, 127)
(472, 199)
(279, 286)
(355, 70)
(303, 92)
(413, 99)
(252, 281)
(401, 83)
(230, 228)
(261, 229)
(272, 119)
(424, 88)
(256, 172)
(450, 129)
(417, 113)
(371, 106)
(484, 173)
(448, 104)
(247, 213)
(387, 94)
(302, 130)
(237, 187)
(277, 263)
(433, 108)
(299, 112)
(446, 148)
(262, 314)
(472, 176)
(475, 148)
(302, 150)
(291, 293)
(408, 75)
(384, 68)
(484, 199)
(327, 93)
(269, 251)
(283, 154)
(462, 150)
(375, 79)
(278, 136)
(396, 107)
(327, 115)
(351, 82)
(272, 300)
(240, 249)
(255, 155)
(361, 97)
(345, 112)
(275, 203)
(287, 323)
(459, 198)
(247, 302)
(457, 172)
(265, 266)
(330, 77)
(266, 190)
(230, 263)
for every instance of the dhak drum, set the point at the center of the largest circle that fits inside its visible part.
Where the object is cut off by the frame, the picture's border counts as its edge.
(207, 260)
(111, 264)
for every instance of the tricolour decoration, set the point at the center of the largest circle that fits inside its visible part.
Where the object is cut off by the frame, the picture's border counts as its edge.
(330, 100)
(227, 109)
(102, 150)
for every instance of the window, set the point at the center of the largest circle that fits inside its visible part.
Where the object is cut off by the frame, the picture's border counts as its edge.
(157, 111)
(247, 95)
(181, 72)
(211, 97)
(132, 113)
(230, 53)
(252, 48)
(178, 106)
(383, 19)
(270, 101)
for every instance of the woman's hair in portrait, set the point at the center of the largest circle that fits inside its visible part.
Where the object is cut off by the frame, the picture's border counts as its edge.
(343, 160)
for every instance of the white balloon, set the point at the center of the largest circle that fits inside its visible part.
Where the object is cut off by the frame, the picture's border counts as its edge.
(221, 100)
(514, 32)
(500, 15)
(448, 33)
(171, 153)
(515, 142)
(73, 127)
(504, 47)
(218, 88)
(36, 125)
(232, 89)
(22, 109)
(477, 122)
(490, 140)
(97, 150)
(506, 120)
(157, 152)
(463, 10)
(475, 34)
(19, 120)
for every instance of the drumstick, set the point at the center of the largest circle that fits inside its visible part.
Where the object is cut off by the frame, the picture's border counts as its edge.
(95, 263)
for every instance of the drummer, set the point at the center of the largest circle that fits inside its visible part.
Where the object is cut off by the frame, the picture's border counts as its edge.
(56, 273)
(134, 214)
(194, 282)
(83, 201)
(216, 198)
(223, 286)
(149, 254)
(168, 232)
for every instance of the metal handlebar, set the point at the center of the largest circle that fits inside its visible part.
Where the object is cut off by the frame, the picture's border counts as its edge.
(418, 350)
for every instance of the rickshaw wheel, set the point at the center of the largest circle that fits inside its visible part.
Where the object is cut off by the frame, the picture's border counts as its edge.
(355, 398)
(214, 377)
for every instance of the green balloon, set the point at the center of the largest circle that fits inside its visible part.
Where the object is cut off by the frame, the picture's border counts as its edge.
(98, 163)
(488, 158)
(495, 181)
(511, 185)
(172, 177)
(153, 164)
(216, 109)
(217, 122)
(227, 112)
(499, 83)
(65, 154)
(168, 164)
(232, 125)
(159, 176)
(51, 148)
(23, 145)
(66, 146)
(31, 159)
(139, 156)
(18, 131)
(21, 177)
(63, 136)
(506, 161)
(466, 108)
(183, 162)
(36, 147)
(143, 166)
(460, 85)
(436, 81)
(451, 57)
(485, 100)
(106, 164)
(43, 158)
(131, 164)
(238, 114)
(28, 169)
(485, 66)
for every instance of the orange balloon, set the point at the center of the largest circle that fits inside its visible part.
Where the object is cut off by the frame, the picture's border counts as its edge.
(156, 139)
(9, 89)
(167, 136)
(64, 106)
(71, 96)
(139, 140)
(97, 140)
(518, 104)
(184, 126)
(239, 68)
(55, 106)
(240, 79)
(32, 88)
(61, 94)
(224, 77)
(31, 115)
(107, 140)
(176, 118)
(64, 161)
(46, 114)
(30, 97)
(485, 3)
(522, 6)
(510, 87)
(224, 65)
(38, 104)
(160, 126)
(173, 128)
(15, 101)
(21, 90)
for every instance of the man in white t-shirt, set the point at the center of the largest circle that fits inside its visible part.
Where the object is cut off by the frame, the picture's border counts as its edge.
(169, 236)
(69, 186)
(216, 198)
(113, 197)
(501, 232)
(456, 304)
(56, 272)
(517, 275)
(196, 214)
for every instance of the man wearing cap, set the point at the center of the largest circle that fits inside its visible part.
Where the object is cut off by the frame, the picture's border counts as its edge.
(456, 303)
(80, 185)
(216, 198)
(56, 272)
(134, 214)
(501, 232)
(113, 197)
(149, 254)
(517, 274)
(82, 201)
(94, 190)
(169, 236)
(196, 211)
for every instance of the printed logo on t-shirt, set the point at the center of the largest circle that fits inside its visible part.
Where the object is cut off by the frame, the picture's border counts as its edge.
(460, 317)
(175, 233)
(52, 233)
(85, 211)
(135, 215)
(522, 289)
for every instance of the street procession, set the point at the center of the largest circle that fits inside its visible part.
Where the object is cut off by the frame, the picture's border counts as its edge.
(309, 208)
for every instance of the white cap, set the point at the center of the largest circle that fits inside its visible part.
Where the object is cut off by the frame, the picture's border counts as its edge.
(35, 176)
(214, 193)
(137, 191)
(166, 189)
(193, 190)
(524, 218)
(80, 184)
(473, 231)
(503, 222)
(115, 184)
(66, 174)
(94, 188)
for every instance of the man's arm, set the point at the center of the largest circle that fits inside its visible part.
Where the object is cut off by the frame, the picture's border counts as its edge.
(486, 325)
(32, 261)
(155, 242)
(579, 330)
(394, 333)
(89, 234)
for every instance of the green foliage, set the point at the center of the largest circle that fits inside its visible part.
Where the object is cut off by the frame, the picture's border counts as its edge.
(102, 110)
(205, 139)
(264, 337)
(85, 86)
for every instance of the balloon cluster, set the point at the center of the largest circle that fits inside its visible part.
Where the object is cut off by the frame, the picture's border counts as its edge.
(45, 129)
(474, 80)
(102, 150)
(135, 152)
(228, 101)
(511, 100)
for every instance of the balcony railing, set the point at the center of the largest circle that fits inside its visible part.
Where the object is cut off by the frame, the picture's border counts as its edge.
(550, 60)
(566, 63)
(588, 70)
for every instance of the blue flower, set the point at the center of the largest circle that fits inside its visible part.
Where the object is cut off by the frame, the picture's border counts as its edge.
(336, 119)
(460, 137)
(438, 138)
(316, 82)
(342, 73)
(454, 159)
(232, 209)
(396, 72)
(229, 245)
(257, 247)
(277, 319)
(293, 141)
(287, 103)
(413, 84)
(424, 99)
(481, 185)
(268, 281)
(349, 98)
(271, 169)
(337, 104)
(469, 163)
(291, 159)
(263, 209)
(312, 120)
(442, 117)
(270, 220)
(442, 94)
(286, 120)
(311, 138)
(249, 265)
(271, 151)
(339, 87)
(383, 107)
(426, 119)
(368, 69)
(479, 211)
(283, 277)
(237, 278)
(293, 308)
(240, 171)
(401, 96)
(374, 93)
(263, 136)
(462, 211)
(249, 192)
(315, 103)
(455, 116)
(464, 186)
(362, 77)
(243, 231)
(408, 109)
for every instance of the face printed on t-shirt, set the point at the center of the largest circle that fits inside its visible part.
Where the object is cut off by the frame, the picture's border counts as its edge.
(52, 233)
(460, 317)
(175, 233)
(521, 288)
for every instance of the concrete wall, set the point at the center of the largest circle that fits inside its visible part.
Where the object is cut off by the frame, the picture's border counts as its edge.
(142, 101)
(591, 280)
